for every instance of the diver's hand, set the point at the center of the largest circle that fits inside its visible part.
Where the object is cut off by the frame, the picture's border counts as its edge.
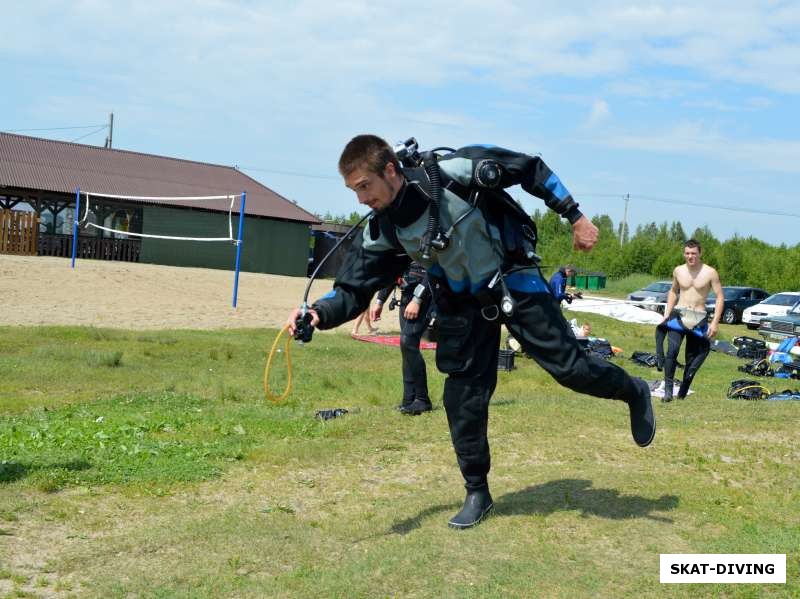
(712, 330)
(295, 314)
(584, 234)
(375, 312)
(412, 310)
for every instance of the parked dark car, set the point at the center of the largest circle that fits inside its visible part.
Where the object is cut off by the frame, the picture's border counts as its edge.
(654, 293)
(776, 328)
(736, 300)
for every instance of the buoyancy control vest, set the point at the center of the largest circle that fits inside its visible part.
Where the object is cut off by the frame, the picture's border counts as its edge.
(492, 229)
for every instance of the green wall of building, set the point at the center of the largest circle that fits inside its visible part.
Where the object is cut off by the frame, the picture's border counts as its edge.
(270, 246)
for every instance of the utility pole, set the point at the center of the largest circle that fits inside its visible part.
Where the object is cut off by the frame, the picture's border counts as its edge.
(624, 224)
(110, 138)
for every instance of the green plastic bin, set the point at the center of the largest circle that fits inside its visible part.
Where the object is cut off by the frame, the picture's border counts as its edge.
(581, 281)
(596, 281)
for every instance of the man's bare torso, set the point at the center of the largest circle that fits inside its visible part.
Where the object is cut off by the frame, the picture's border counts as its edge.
(694, 286)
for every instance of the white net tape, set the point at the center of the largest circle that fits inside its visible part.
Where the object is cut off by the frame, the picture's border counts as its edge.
(161, 198)
(84, 220)
(175, 238)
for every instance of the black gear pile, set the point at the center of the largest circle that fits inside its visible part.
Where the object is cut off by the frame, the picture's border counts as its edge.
(747, 389)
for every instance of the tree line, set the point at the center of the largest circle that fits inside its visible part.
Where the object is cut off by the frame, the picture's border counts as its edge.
(656, 249)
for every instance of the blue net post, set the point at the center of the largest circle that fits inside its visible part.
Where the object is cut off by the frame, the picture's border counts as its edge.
(75, 225)
(239, 248)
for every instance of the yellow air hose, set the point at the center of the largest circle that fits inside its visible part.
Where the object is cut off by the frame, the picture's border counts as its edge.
(270, 396)
(764, 391)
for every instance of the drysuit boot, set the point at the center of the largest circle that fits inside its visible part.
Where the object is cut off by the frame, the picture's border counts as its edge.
(667, 392)
(640, 406)
(476, 506)
(687, 380)
(404, 405)
(418, 406)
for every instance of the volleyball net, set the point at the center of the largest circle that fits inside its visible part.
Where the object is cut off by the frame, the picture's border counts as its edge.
(162, 219)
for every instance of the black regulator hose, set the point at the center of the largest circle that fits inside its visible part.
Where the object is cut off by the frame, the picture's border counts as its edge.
(303, 329)
(433, 236)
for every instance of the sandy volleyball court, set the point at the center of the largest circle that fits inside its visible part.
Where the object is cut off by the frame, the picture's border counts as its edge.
(41, 290)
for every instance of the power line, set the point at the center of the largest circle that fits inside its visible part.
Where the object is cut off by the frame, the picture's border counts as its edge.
(718, 207)
(289, 173)
(763, 212)
(90, 133)
(53, 128)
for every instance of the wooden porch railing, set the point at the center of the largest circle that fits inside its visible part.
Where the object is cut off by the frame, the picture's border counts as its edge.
(124, 250)
(19, 232)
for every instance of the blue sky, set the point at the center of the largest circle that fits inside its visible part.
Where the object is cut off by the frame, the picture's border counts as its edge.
(675, 103)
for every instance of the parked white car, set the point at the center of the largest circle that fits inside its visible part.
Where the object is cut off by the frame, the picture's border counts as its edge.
(775, 305)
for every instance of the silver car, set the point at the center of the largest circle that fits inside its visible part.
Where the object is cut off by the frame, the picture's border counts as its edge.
(654, 293)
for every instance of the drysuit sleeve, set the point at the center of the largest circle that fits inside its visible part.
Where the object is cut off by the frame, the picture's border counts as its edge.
(384, 293)
(363, 272)
(530, 172)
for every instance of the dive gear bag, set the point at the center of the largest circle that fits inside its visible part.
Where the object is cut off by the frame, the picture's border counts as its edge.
(600, 348)
(750, 348)
(757, 367)
(747, 389)
(644, 358)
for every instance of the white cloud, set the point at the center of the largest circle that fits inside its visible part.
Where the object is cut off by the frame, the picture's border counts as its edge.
(695, 139)
(359, 40)
(647, 88)
(599, 113)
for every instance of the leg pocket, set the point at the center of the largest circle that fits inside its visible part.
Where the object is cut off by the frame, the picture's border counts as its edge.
(453, 352)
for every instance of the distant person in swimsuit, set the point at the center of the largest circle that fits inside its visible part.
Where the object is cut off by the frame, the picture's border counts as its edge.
(686, 316)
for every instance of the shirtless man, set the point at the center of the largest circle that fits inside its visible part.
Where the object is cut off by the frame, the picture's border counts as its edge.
(691, 284)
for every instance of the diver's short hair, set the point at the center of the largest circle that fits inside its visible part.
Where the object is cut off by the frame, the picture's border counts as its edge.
(693, 243)
(369, 151)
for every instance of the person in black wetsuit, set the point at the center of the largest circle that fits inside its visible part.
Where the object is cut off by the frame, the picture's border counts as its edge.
(415, 303)
(685, 316)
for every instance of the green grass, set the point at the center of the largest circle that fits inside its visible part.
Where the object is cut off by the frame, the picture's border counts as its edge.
(156, 438)
(150, 464)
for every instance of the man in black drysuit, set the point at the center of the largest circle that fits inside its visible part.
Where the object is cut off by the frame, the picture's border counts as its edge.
(452, 216)
(415, 303)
